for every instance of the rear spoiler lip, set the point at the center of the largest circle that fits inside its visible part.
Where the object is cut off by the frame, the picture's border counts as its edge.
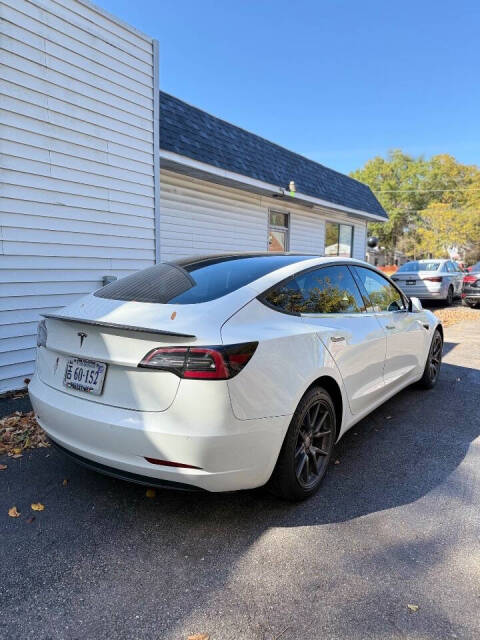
(113, 325)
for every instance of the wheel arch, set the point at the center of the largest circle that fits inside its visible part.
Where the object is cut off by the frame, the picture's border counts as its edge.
(332, 387)
(439, 327)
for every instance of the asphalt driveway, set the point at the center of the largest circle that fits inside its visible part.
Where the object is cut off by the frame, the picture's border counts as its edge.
(396, 523)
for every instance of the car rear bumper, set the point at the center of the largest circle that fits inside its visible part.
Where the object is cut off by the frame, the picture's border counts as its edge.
(437, 292)
(471, 296)
(230, 454)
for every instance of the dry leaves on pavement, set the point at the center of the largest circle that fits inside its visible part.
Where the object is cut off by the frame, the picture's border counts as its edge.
(13, 513)
(37, 506)
(21, 431)
(199, 636)
(413, 607)
(453, 315)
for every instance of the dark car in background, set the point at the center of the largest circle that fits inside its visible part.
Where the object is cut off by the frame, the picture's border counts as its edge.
(471, 287)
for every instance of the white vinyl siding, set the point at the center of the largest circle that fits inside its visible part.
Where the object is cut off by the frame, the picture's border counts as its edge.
(201, 217)
(78, 172)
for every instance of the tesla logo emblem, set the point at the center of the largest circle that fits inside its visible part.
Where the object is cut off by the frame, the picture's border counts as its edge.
(82, 336)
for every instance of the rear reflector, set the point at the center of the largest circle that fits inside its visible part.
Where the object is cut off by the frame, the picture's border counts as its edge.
(201, 363)
(470, 278)
(168, 463)
(432, 278)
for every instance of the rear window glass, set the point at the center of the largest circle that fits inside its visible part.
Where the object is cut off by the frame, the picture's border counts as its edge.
(414, 265)
(191, 281)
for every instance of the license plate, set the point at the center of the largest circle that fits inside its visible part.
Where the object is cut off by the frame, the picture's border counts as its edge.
(85, 375)
(411, 281)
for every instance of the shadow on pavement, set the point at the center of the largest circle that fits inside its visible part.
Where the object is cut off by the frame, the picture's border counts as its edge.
(102, 553)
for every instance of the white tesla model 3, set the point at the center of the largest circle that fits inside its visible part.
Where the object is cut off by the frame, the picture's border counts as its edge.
(228, 372)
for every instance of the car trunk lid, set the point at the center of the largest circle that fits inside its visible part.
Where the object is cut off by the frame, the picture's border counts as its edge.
(119, 335)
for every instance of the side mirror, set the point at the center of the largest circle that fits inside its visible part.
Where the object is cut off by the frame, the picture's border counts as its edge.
(414, 305)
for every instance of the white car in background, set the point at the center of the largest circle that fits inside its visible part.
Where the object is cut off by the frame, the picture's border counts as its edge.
(430, 279)
(228, 372)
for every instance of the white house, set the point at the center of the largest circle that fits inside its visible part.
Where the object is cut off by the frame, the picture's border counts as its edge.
(102, 174)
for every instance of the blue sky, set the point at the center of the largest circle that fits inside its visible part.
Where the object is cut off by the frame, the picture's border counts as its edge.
(337, 81)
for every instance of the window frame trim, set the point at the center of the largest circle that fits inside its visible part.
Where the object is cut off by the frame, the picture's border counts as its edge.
(275, 227)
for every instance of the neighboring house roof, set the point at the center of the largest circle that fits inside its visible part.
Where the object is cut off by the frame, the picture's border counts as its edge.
(196, 134)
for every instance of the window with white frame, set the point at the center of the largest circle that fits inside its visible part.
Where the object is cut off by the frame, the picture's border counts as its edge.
(278, 231)
(338, 239)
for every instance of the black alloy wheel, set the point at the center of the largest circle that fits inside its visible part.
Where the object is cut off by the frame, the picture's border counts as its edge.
(434, 362)
(307, 449)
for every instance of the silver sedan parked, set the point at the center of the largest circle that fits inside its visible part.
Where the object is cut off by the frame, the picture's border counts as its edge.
(430, 279)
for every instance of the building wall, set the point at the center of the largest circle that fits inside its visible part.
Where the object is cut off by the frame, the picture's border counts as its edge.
(79, 100)
(203, 217)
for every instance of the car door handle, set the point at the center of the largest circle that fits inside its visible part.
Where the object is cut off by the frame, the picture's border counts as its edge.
(390, 326)
(337, 338)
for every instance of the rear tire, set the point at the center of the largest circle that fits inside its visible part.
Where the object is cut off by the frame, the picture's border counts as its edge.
(473, 305)
(307, 448)
(434, 362)
(450, 296)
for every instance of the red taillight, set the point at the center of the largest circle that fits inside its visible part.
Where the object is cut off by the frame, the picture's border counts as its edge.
(432, 278)
(470, 278)
(207, 363)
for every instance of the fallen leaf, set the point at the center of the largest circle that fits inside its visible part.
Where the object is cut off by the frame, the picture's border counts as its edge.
(3, 467)
(19, 432)
(199, 636)
(413, 607)
(173, 316)
(37, 506)
(65, 482)
(150, 493)
(337, 462)
(30, 519)
(13, 513)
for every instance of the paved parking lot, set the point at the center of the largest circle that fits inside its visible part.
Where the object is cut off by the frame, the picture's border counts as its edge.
(396, 523)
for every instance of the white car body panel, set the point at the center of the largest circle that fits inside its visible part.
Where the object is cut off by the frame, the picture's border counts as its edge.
(358, 349)
(267, 387)
(406, 344)
(230, 430)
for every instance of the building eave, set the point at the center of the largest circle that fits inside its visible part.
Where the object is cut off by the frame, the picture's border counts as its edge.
(203, 171)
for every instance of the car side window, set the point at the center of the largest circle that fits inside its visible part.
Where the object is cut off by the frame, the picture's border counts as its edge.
(383, 295)
(324, 290)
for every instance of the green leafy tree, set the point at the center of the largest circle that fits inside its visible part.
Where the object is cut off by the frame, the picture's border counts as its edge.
(407, 186)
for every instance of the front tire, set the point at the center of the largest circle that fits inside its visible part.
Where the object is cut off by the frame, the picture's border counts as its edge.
(307, 448)
(434, 362)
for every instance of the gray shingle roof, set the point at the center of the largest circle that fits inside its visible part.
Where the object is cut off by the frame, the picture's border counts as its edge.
(196, 134)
